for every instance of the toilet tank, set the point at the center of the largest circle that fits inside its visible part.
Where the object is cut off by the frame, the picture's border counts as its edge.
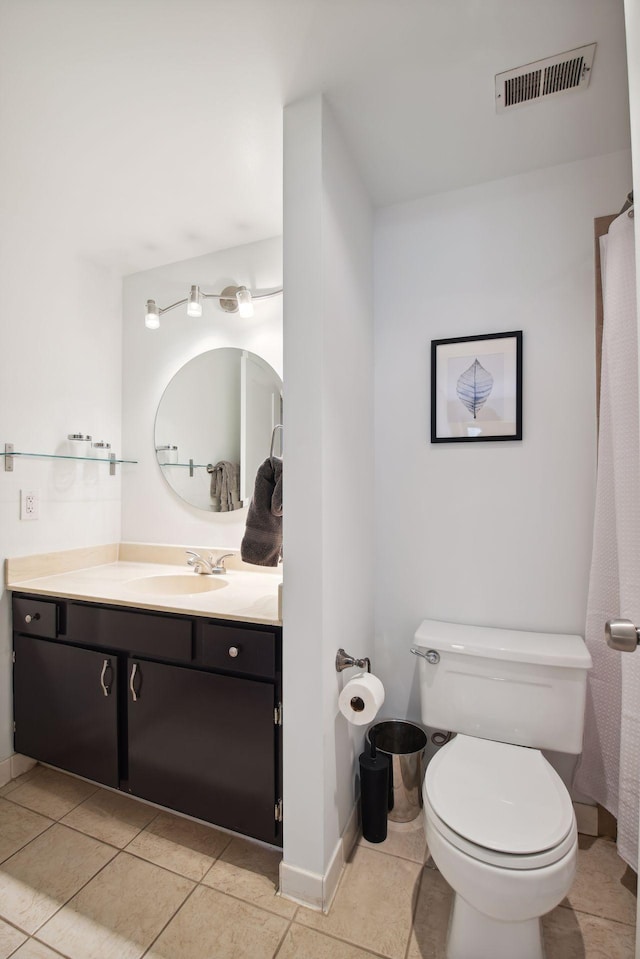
(512, 686)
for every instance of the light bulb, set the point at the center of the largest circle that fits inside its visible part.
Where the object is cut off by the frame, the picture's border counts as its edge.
(245, 306)
(152, 316)
(194, 306)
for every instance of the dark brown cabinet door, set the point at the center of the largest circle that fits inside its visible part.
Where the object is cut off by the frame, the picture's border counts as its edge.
(66, 707)
(203, 744)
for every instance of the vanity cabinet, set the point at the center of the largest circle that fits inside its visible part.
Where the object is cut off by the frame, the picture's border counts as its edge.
(186, 719)
(181, 711)
(65, 707)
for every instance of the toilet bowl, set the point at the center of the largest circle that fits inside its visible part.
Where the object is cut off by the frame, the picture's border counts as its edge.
(499, 820)
(505, 839)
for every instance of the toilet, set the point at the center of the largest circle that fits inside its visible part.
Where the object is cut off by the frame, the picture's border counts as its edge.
(499, 820)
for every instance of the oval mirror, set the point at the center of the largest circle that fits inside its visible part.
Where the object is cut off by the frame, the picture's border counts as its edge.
(214, 427)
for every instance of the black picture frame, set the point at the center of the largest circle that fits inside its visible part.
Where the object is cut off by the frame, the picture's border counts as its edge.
(476, 388)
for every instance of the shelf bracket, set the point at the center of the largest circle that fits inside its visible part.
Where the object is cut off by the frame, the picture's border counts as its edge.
(8, 457)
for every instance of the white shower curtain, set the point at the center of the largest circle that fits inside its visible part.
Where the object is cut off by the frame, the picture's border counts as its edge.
(609, 771)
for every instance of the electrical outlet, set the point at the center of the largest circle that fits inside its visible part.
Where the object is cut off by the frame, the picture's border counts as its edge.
(29, 504)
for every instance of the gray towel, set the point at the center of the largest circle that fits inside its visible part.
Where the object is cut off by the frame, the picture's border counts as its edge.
(262, 540)
(225, 487)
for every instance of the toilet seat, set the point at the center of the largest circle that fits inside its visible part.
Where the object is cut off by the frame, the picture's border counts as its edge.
(499, 803)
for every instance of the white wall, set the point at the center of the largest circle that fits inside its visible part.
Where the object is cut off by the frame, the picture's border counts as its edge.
(328, 533)
(60, 345)
(151, 511)
(492, 534)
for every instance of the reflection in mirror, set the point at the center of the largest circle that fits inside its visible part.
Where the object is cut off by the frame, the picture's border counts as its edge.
(214, 427)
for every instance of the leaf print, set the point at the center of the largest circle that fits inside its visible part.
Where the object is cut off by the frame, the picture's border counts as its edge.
(473, 387)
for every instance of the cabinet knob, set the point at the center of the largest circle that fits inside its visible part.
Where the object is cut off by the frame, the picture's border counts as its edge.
(29, 618)
(233, 651)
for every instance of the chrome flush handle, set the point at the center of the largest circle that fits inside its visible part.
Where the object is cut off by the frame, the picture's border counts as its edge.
(432, 656)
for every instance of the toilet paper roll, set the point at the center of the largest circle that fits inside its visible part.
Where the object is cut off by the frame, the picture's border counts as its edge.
(361, 699)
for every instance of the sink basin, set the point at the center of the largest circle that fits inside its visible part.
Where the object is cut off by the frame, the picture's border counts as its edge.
(180, 584)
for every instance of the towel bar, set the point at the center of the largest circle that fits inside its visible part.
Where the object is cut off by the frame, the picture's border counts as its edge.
(278, 426)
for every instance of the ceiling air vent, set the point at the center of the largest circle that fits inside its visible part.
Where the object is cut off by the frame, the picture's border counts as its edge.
(544, 78)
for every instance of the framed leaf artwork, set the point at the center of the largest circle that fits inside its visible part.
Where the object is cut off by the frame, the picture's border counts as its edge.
(476, 388)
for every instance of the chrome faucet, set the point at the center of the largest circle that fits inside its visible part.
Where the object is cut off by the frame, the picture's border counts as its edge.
(219, 566)
(199, 563)
(206, 567)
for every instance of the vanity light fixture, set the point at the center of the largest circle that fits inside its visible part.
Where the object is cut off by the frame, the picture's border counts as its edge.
(152, 316)
(233, 299)
(245, 302)
(194, 306)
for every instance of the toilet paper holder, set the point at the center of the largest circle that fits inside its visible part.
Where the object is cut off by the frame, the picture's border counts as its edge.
(344, 660)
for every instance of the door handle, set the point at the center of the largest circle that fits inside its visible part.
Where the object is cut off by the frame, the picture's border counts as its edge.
(106, 687)
(134, 670)
(622, 634)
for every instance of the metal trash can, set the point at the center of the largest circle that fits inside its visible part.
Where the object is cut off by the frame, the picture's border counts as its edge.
(404, 743)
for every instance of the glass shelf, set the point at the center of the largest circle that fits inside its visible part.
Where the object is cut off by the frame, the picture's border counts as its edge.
(10, 453)
(191, 466)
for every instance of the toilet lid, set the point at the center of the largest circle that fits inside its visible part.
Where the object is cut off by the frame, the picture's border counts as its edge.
(506, 798)
(504, 860)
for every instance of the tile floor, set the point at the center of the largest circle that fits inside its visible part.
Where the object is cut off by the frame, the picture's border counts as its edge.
(90, 874)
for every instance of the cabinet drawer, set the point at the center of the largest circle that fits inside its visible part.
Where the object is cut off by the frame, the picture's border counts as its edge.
(248, 651)
(141, 634)
(35, 616)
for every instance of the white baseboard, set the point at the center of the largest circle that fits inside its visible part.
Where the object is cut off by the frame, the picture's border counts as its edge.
(5, 772)
(351, 830)
(311, 889)
(332, 876)
(301, 886)
(586, 818)
(14, 766)
(20, 764)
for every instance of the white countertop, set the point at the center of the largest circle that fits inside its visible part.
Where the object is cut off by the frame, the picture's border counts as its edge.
(251, 597)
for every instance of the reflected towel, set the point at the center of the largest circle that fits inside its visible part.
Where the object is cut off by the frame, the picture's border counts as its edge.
(262, 540)
(225, 487)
